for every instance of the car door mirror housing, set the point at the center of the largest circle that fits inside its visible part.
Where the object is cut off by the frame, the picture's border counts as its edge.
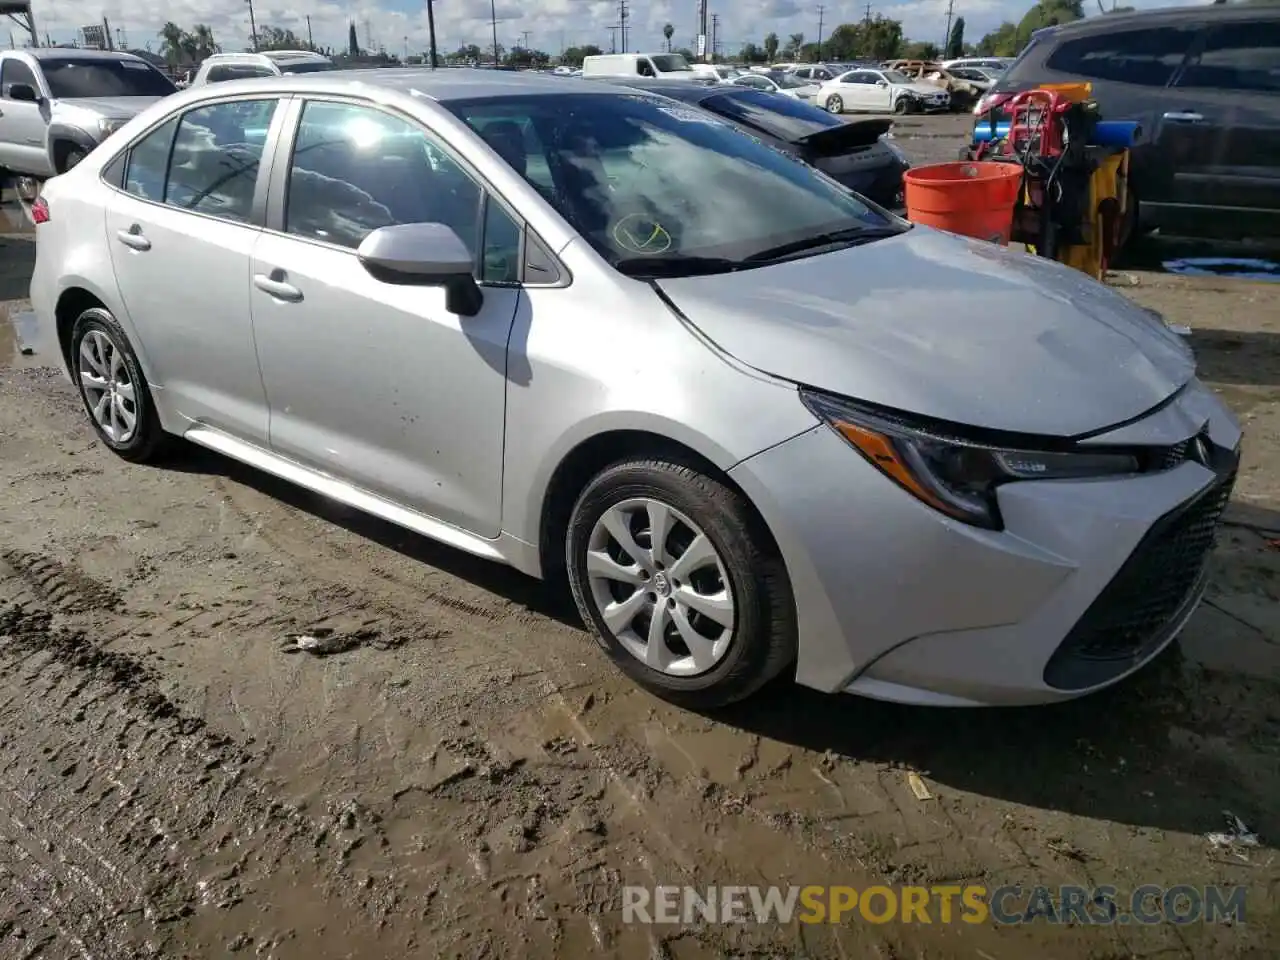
(24, 93)
(882, 83)
(425, 255)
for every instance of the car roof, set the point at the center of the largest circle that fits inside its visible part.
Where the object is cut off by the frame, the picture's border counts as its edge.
(680, 90)
(78, 53)
(444, 84)
(1152, 18)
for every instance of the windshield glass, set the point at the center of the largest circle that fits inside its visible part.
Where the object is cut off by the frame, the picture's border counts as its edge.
(670, 62)
(310, 66)
(781, 117)
(643, 178)
(897, 76)
(69, 78)
(789, 81)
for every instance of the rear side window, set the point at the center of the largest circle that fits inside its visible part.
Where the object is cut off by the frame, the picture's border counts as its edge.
(1147, 58)
(1238, 56)
(148, 163)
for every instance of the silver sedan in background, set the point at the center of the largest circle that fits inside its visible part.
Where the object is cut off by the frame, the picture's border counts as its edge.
(757, 423)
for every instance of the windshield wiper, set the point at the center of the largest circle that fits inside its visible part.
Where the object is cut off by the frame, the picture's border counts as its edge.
(676, 266)
(850, 236)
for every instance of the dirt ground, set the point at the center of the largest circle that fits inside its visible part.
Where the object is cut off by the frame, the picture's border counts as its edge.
(462, 775)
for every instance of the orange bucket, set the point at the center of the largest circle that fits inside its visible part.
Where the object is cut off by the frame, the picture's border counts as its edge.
(971, 199)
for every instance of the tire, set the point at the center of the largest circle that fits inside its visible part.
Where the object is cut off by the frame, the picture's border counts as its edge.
(835, 104)
(743, 567)
(71, 158)
(97, 332)
(902, 106)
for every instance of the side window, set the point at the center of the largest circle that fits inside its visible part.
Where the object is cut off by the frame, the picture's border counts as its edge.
(1238, 56)
(501, 260)
(148, 163)
(1147, 58)
(216, 156)
(644, 68)
(355, 169)
(12, 71)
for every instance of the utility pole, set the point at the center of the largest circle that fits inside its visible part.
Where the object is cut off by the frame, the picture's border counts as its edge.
(493, 20)
(715, 30)
(622, 23)
(704, 52)
(524, 39)
(311, 44)
(613, 37)
(431, 34)
(822, 11)
(946, 37)
(868, 15)
(253, 27)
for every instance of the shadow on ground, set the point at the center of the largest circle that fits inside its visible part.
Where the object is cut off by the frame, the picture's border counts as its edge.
(1176, 731)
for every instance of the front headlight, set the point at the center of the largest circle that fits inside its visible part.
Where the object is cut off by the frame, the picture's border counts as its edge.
(108, 126)
(954, 475)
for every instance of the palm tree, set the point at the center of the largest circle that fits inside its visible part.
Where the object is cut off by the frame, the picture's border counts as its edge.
(205, 45)
(668, 31)
(171, 36)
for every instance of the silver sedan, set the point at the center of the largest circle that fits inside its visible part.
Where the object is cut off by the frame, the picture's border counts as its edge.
(757, 423)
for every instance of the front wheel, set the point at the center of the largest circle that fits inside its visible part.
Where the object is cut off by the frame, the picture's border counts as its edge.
(115, 392)
(71, 158)
(902, 106)
(835, 104)
(682, 588)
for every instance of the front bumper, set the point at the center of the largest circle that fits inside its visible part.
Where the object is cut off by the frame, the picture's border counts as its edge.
(897, 602)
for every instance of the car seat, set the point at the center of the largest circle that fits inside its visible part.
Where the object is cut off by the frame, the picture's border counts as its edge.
(507, 140)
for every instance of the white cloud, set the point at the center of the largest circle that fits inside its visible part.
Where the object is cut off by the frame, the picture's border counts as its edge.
(550, 23)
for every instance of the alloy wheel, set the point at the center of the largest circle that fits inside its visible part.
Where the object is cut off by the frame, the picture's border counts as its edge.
(109, 393)
(660, 587)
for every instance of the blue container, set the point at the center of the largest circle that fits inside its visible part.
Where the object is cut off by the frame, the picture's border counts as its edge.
(1109, 133)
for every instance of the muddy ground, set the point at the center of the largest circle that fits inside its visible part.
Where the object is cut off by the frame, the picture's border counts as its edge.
(461, 775)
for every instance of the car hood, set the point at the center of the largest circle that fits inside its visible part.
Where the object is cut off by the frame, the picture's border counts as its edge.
(949, 328)
(116, 108)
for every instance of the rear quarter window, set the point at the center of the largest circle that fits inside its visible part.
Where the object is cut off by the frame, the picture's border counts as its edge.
(1147, 58)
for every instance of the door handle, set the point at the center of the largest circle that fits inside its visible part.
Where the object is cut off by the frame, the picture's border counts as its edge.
(133, 238)
(1184, 116)
(277, 288)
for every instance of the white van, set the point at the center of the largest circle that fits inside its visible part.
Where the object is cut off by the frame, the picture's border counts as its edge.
(663, 66)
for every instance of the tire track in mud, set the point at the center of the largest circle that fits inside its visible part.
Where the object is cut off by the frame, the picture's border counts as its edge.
(68, 590)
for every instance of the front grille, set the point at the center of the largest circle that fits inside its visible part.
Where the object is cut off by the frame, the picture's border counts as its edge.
(1136, 609)
(1175, 455)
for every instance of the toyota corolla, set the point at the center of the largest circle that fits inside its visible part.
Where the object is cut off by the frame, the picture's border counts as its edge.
(758, 423)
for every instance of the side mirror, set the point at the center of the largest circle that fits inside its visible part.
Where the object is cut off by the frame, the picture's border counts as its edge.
(424, 255)
(24, 92)
(882, 83)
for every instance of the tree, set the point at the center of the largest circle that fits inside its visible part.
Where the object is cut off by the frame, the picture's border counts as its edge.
(878, 39)
(278, 38)
(353, 43)
(751, 53)
(771, 47)
(669, 31)
(171, 43)
(955, 42)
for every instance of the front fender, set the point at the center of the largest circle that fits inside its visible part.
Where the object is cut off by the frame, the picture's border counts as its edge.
(65, 131)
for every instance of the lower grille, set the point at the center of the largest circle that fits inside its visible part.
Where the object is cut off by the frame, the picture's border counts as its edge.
(1134, 612)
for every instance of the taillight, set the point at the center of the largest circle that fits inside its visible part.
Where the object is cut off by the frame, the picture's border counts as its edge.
(39, 210)
(990, 101)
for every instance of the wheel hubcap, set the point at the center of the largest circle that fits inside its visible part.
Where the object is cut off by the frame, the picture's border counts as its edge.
(660, 587)
(109, 393)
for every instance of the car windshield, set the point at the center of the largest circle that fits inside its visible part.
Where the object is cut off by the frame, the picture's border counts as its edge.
(657, 187)
(309, 66)
(670, 63)
(782, 117)
(789, 81)
(70, 78)
(896, 76)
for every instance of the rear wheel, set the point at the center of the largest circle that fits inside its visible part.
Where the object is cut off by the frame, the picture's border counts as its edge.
(680, 585)
(115, 392)
(835, 104)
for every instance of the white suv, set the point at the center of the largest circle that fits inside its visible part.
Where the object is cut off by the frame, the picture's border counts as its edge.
(237, 66)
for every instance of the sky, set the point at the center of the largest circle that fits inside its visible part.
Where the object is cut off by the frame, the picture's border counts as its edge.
(550, 24)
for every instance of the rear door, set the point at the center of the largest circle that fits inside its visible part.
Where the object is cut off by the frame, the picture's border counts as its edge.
(1223, 125)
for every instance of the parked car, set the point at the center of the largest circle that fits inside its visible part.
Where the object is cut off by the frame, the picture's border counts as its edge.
(781, 82)
(998, 64)
(718, 72)
(660, 66)
(881, 91)
(57, 104)
(981, 78)
(816, 72)
(273, 63)
(1203, 83)
(757, 423)
(857, 154)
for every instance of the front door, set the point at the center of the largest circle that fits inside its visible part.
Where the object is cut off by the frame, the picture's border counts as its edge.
(181, 237)
(23, 125)
(1225, 115)
(373, 382)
